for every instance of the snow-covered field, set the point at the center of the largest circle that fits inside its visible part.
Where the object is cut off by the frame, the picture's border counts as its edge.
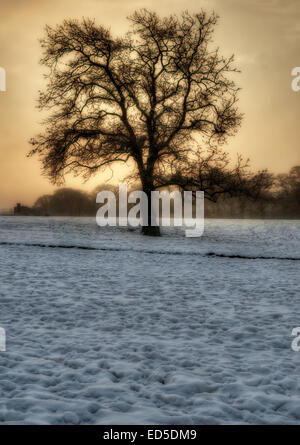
(140, 330)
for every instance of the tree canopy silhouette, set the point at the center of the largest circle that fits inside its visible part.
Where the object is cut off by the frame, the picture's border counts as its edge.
(154, 96)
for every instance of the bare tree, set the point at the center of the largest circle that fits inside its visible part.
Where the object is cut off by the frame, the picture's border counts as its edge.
(212, 172)
(151, 97)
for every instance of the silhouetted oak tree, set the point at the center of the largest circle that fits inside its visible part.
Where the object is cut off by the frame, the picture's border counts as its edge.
(153, 96)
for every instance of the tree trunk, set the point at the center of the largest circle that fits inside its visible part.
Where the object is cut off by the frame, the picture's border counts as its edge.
(150, 230)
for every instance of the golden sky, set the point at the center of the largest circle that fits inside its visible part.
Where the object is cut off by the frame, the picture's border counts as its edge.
(263, 34)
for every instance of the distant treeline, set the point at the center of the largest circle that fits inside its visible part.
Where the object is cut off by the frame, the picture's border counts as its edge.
(281, 201)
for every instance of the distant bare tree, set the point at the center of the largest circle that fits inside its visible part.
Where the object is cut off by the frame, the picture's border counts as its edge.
(43, 203)
(151, 97)
(288, 192)
(66, 202)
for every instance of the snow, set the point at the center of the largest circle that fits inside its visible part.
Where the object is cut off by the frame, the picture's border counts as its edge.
(136, 330)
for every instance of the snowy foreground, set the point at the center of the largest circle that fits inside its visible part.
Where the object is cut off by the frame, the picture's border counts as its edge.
(138, 330)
